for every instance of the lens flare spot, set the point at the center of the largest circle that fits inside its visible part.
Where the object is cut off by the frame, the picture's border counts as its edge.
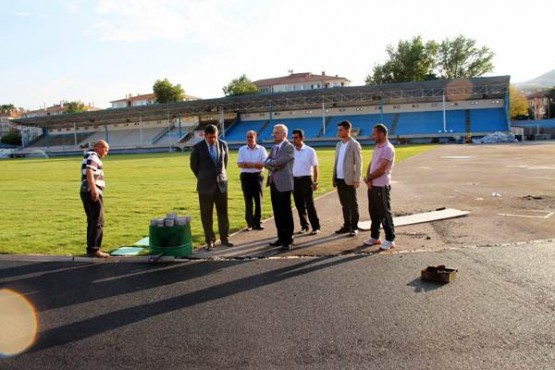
(18, 322)
(460, 89)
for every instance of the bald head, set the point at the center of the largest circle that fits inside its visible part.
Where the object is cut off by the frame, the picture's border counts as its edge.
(101, 148)
(102, 143)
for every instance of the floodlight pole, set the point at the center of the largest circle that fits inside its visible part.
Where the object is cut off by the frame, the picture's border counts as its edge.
(180, 130)
(444, 113)
(381, 110)
(222, 121)
(141, 128)
(23, 132)
(270, 120)
(169, 127)
(323, 116)
(106, 133)
(507, 110)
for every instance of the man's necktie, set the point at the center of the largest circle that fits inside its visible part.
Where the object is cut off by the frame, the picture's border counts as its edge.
(273, 155)
(274, 151)
(213, 154)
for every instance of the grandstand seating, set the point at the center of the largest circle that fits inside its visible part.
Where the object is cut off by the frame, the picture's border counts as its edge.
(59, 140)
(399, 124)
(128, 137)
(419, 123)
(364, 123)
(310, 125)
(488, 120)
(265, 133)
(174, 136)
(456, 121)
(416, 126)
(238, 130)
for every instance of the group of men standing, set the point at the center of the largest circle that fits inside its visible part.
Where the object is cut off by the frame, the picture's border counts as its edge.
(292, 169)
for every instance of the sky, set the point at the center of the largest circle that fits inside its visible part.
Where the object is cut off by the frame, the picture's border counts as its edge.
(97, 51)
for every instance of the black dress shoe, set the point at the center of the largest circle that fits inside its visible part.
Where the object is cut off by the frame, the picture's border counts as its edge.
(259, 227)
(276, 243)
(286, 247)
(227, 243)
(342, 230)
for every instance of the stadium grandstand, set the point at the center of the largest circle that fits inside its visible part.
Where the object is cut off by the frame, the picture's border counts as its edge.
(414, 112)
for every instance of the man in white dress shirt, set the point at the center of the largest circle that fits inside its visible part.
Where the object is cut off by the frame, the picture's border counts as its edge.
(305, 177)
(250, 160)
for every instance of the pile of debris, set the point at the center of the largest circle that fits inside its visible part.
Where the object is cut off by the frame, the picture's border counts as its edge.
(496, 138)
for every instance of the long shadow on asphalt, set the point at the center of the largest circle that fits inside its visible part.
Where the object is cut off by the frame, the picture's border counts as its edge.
(260, 249)
(59, 285)
(30, 268)
(126, 316)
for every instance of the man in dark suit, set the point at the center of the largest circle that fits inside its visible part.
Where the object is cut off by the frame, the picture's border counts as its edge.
(280, 180)
(209, 162)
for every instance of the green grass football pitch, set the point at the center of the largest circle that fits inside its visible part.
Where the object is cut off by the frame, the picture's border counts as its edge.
(42, 211)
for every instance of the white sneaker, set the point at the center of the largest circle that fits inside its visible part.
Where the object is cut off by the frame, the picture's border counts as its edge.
(387, 245)
(372, 241)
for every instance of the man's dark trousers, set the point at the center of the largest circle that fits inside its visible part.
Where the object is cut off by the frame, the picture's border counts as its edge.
(379, 205)
(251, 183)
(95, 221)
(207, 202)
(283, 215)
(304, 202)
(349, 204)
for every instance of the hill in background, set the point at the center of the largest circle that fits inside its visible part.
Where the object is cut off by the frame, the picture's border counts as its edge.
(543, 82)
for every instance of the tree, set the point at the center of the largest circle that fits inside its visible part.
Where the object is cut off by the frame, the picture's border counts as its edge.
(75, 107)
(165, 92)
(12, 138)
(240, 86)
(461, 58)
(411, 61)
(416, 60)
(518, 104)
(6, 108)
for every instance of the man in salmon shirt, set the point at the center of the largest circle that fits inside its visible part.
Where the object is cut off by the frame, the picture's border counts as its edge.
(378, 180)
